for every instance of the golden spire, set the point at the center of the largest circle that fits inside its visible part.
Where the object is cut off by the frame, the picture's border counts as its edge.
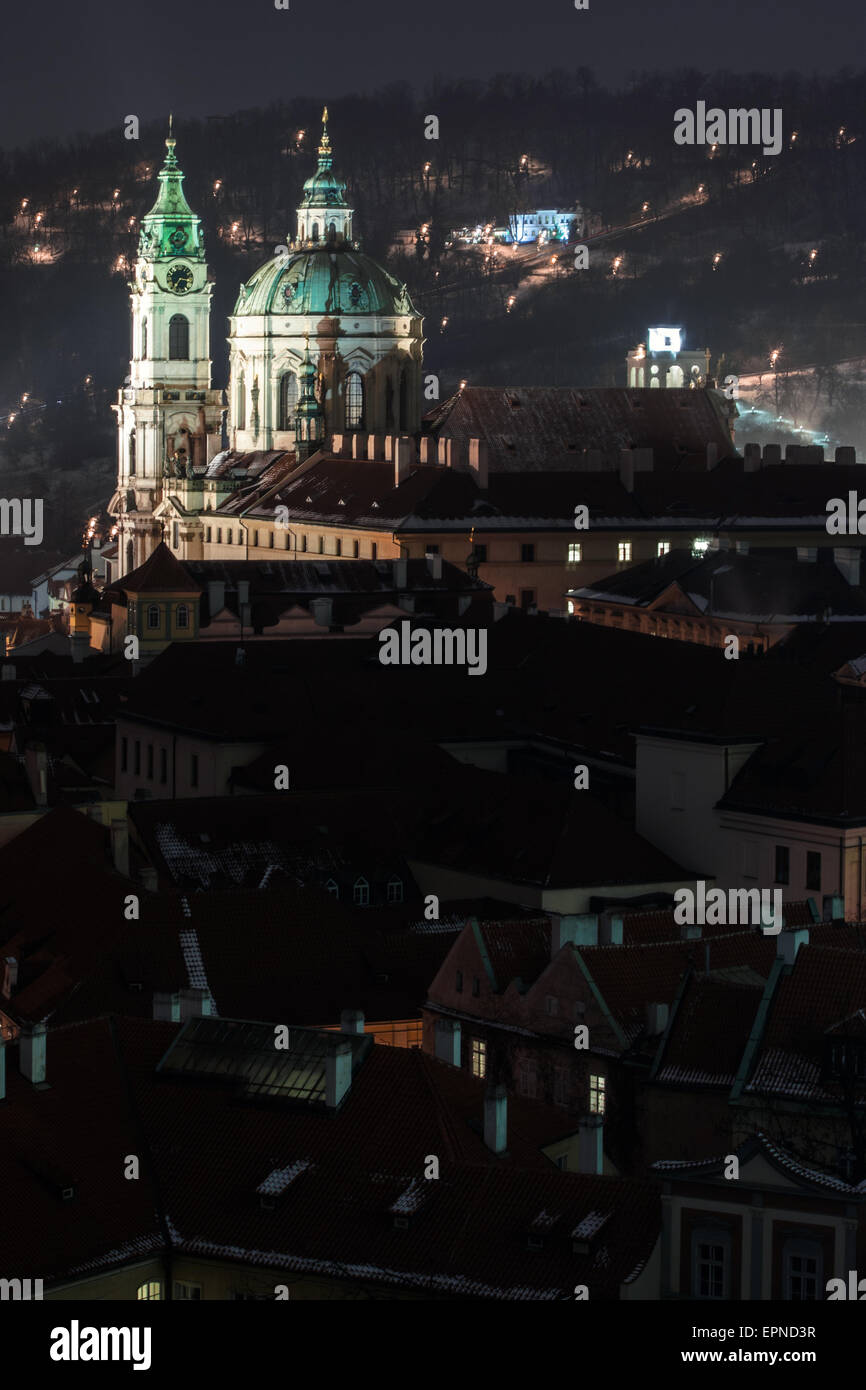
(325, 146)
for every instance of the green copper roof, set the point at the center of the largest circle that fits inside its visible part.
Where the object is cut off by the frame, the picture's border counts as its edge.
(171, 228)
(324, 187)
(324, 280)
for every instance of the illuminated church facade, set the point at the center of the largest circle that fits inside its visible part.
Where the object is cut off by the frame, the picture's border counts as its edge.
(323, 341)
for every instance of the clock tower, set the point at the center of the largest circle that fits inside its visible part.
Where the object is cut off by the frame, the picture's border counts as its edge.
(169, 418)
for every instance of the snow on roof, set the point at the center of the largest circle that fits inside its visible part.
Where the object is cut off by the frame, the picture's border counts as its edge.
(590, 1225)
(280, 1178)
(412, 1198)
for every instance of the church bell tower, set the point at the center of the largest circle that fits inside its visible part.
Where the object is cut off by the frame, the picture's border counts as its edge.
(168, 415)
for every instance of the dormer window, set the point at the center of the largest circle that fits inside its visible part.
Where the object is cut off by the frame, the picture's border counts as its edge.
(361, 893)
(333, 888)
(395, 890)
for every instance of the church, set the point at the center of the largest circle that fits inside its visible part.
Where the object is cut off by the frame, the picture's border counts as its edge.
(323, 341)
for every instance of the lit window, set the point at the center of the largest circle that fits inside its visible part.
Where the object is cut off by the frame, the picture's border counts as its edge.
(624, 552)
(354, 401)
(151, 1291)
(575, 553)
(479, 1057)
(395, 890)
(700, 546)
(664, 548)
(361, 892)
(596, 1095)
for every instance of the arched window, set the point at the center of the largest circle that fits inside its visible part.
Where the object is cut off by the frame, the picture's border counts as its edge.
(153, 615)
(354, 401)
(152, 1290)
(241, 410)
(144, 337)
(130, 557)
(182, 615)
(404, 403)
(332, 231)
(361, 893)
(178, 338)
(132, 451)
(288, 401)
(332, 888)
(314, 231)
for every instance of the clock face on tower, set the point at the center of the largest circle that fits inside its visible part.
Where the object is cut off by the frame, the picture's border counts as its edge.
(179, 279)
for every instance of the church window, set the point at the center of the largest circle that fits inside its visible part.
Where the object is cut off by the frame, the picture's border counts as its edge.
(361, 893)
(332, 231)
(288, 400)
(175, 535)
(354, 401)
(129, 557)
(241, 412)
(178, 338)
(404, 403)
(144, 337)
(314, 231)
(153, 615)
(182, 615)
(132, 452)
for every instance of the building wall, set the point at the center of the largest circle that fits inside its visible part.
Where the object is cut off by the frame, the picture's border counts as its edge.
(215, 762)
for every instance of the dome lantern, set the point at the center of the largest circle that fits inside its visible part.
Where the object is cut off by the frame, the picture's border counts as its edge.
(323, 214)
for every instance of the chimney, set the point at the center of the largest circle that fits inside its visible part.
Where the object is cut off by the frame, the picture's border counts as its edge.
(216, 596)
(10, 976)
(427, 449)
(447, 1041)
(712, 456)
(580, 929)
(788, 943)
(610, 930)
(401, 573)
(166, 1006)
(36, 758)
(322, 610)
(847, 561)
(359, 446)
(338, 1071)
(479, 461)
(496, 1119)
(243, 592)
(120, 846)
(9, 673)
(195, 1003)
(402, 459)
(352, 1021)
(375, 447)
(31, 1055)
(434, 566)
(751, 458)
(590, 1144)
(657, 1018)
(626, 469)
(846, 455)
(833, 907)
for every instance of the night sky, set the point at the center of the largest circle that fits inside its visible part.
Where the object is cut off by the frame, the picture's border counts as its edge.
(82, 67)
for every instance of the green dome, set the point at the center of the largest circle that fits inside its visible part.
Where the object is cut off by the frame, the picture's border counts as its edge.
(324, 187)
(324, 280)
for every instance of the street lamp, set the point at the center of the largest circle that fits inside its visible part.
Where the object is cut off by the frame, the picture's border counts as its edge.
(774, 359)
